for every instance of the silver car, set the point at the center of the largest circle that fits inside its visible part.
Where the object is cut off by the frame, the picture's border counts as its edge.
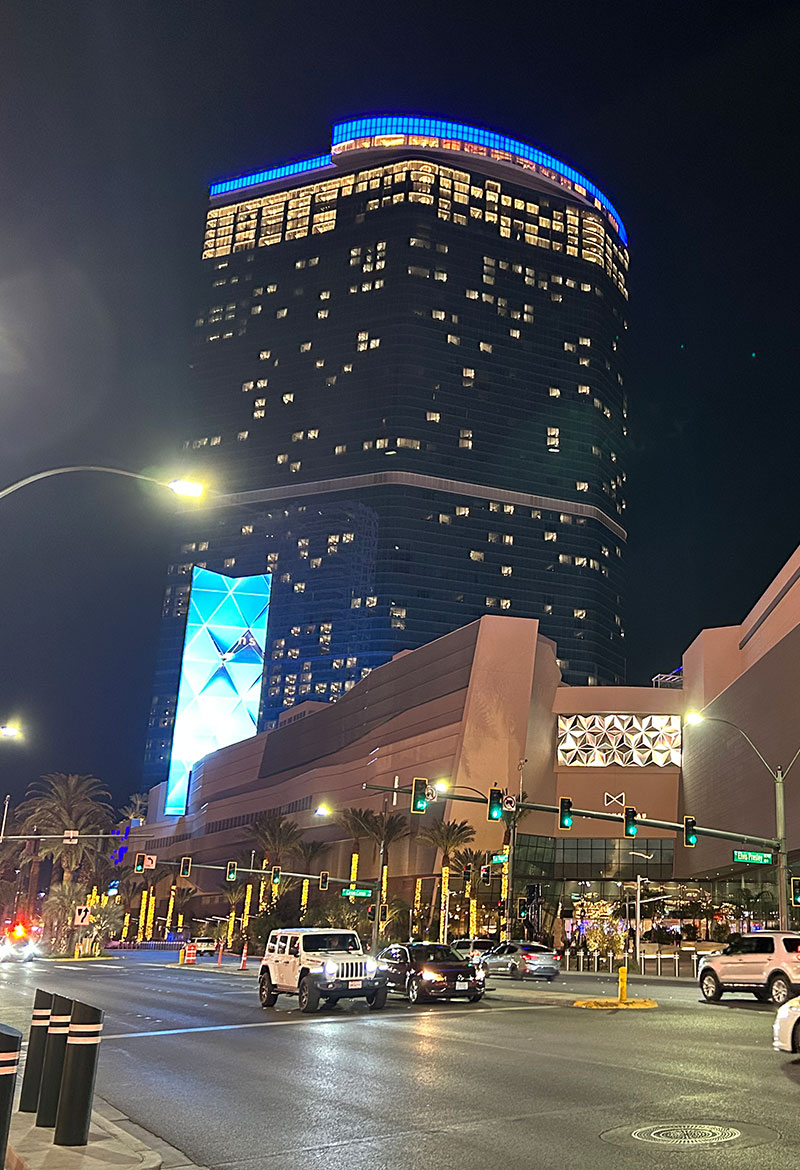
(519, 958)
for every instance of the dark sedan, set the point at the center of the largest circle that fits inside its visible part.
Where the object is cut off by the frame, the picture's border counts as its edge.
(431, 971)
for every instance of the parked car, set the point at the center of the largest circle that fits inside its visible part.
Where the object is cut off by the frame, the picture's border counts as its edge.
(431, 971)
(520, 958)
(473, 948)
(205, 945)
(314, 963)
(786, 1029)
(766, 963)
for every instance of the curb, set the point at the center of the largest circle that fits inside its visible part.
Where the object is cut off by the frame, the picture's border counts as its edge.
(615, 1004)
(33, 1148)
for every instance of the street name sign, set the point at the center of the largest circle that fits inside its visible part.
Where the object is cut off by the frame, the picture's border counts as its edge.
(499, 858)
(751, 858)
(352, 892)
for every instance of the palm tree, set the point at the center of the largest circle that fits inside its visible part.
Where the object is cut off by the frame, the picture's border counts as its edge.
(386, 828)
(445, 836)
(59, 802)
(136, 808)
(474, 859)
(354, 822)
(106, 921)
(276, 836)
(58, 912)
(307, 853)
(183, 896)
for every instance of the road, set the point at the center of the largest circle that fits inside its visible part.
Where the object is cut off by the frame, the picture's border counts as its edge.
(520, 1080)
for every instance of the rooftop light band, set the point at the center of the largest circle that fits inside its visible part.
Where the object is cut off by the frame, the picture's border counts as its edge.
(459, 132)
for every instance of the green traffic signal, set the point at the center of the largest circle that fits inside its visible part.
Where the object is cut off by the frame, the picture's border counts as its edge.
(419, 801)
(689, 832)
(276, 875)
(631, 828)
(138, 866)
(565, 813)
(494, 809)
(186, 866)
(230, 871)
(796, 891)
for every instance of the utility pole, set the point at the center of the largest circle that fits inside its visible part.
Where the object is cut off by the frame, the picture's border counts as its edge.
(783, 861)
(639, 880)
(6, 803)
(376, 923)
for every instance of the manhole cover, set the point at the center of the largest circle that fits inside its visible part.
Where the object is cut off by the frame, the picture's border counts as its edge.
(691, 1135)
(686, 1135)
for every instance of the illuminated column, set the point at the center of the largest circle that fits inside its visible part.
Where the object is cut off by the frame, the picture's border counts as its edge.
(262, 889)
(417, 898)
(353, 872)
(104, 900)
(180, 920)
(170, 908)
(444, 903)
(142, 917)
(248, 898)
(151, 915)
(384, 882)
(231, 926)
(473, 917)
(504, 897)
(126, 925)
(304, 897)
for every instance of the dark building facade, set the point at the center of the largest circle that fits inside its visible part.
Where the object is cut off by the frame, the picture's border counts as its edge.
(408, 394)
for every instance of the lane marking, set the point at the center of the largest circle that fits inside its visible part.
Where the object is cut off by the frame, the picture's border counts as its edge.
(320, 1020)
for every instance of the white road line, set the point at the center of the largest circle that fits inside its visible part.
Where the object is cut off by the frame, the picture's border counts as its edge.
(318, 1020)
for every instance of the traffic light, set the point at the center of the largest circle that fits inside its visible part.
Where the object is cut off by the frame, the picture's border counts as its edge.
(186, 866)
(565, 813)
(631, 828)
(522, 907)
(466, 873)
(324, 877)
(689, 832)
(276, 874)
(419, 801)
(383, 914)
(796, 891)
(138, 865)
(494, 809)
(230, 871)
(486, 875)
(371, 912)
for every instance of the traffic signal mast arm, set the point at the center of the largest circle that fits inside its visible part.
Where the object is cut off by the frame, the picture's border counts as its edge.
(618, 818)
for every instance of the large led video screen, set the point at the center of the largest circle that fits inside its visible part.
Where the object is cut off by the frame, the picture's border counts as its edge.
(221, 673)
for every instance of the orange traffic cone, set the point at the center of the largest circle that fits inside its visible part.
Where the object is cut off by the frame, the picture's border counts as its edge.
(243, 964)
(219, 953)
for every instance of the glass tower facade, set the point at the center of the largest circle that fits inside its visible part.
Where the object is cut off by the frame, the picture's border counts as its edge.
(408, 379)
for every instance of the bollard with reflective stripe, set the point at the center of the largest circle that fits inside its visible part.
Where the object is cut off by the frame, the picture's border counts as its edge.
(77, 1079)
(10, 1044)
(37, 1037)
(53, 1062)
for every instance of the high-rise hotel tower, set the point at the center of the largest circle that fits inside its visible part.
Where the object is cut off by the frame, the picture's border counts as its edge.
(408, 395)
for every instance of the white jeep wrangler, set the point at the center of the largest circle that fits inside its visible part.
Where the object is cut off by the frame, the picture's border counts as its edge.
(314, 963)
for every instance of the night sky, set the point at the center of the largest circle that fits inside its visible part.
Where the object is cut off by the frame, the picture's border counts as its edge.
(115, 119)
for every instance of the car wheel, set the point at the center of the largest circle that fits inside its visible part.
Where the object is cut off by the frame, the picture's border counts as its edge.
(796, 1038)
(476, 998)
(514, 970)
(414, 990)
(267, 994)
(779, 989)
(710, 987)
(308, 996)
(761, 995)
(377, 1000)
(550, 978)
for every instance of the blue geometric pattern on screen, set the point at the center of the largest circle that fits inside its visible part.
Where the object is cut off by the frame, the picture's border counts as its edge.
(221, 673)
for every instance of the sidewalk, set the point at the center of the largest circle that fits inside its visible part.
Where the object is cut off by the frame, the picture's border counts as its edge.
(115, 1143)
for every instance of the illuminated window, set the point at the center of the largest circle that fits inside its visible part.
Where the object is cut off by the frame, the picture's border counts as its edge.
(314, 434)
(554, 392)
(341, 449)
(485, 347)
(579, 613)
(584, 341)
(491, 602)
(295, 466)
(551, 536)
(242, 435)
(371, 602)
(439, 274)
(412, 443)
(355, 603)
(581, 485)
(583, 389)
(506, 570)
(305, 346)
(507, 538)
(438, 314)
(433, 416)
(299, 586)
(444, 518)
(505, 603)
(297, 436)
(461, 510)
(475, 555)
(246, 529)
(564, 559)
(281, 313)
(287, 398)
(472, 294)
(493, 538)
(553, 438)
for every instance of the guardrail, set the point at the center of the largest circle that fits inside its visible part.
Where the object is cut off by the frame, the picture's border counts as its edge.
(671, 962)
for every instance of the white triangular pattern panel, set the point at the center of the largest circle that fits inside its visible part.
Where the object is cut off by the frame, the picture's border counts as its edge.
(597, 741)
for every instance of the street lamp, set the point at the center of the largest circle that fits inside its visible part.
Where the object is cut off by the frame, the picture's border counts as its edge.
(322, 811)
(10, 731)
(693, 718)
(181, 487)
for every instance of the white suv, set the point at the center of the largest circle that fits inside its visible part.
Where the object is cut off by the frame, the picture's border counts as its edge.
(766, 963)
(314, 963)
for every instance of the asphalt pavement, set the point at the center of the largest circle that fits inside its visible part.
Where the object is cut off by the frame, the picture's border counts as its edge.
(521, 1079)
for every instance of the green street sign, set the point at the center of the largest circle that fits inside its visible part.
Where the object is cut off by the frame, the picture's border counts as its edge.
(499, 858)
(750, 858)
(351, 892)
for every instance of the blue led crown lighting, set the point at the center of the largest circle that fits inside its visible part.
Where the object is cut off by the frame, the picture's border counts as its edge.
(297, 168)
(221, 671)
(435, 128)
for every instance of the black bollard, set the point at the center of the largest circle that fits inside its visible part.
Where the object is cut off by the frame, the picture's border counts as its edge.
(37, 1037)
(77, 1079)
(10, 1044)
(53, 1062)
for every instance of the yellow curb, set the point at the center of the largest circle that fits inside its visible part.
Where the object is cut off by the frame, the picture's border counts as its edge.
(615, 1003)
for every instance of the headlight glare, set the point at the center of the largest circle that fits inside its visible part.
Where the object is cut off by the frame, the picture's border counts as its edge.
(430, 976)
(331, 969)
(371, 966)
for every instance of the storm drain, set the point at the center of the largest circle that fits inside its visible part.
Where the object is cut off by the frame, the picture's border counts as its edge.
(691, 1135)
(686, 1135)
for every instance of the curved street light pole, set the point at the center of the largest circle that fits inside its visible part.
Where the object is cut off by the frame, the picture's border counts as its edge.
(778, 775)
(181, 487)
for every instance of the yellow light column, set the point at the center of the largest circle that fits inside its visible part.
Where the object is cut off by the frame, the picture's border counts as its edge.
(126, 925)
(142, 917)
(417, 898)
(170, 909)
(473, 917)
(248, 898)
(504, 933)
(180, 921)
(353, 872)
(444, 903)
(231, 926)
(384, 882)
(304, 896)
(262, 889)
(151, 916)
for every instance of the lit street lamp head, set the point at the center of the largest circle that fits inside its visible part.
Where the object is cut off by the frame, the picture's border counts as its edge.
(186, 487)
(10, 731)
(693, 718)
(322, 811)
